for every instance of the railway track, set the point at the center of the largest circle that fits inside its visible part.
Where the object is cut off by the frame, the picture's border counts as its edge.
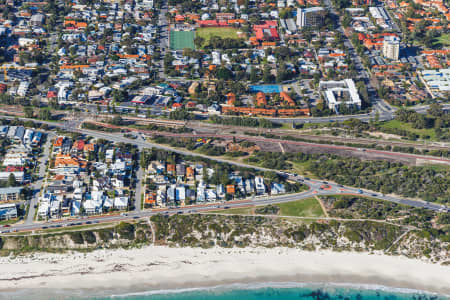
(199, 126)
(286, 142)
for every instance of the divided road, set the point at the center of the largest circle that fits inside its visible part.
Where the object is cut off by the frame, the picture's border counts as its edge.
(257, 200)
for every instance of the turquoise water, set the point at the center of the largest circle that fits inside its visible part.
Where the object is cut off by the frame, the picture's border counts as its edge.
(283, 292)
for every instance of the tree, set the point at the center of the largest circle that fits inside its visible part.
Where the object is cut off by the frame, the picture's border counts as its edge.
(267, 76)
(198, 41)
(28, 112)
(253, 75)
(12, 180)
(435, 110)
(224, 74)
(35, 102)
(44, 114)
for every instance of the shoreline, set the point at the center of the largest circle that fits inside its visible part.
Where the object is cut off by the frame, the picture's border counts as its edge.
(159, 268)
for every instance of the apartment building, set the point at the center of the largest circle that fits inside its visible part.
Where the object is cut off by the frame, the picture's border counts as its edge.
(391, 47)
(310, 17)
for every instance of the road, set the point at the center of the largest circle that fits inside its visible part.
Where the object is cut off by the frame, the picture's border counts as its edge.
(385, 113)
(315, 190)
(163, 37)
(37, 185)
(139, 177)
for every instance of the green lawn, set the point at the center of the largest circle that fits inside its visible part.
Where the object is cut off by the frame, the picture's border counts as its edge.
(408, 127)
(181, 39)
(309, 207)
(301, 168)
(224, 32)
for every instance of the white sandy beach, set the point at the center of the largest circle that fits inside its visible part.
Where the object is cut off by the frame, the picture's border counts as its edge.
(153, 267)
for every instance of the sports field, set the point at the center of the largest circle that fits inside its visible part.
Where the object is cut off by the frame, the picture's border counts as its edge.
(181, 39)
(223, 32)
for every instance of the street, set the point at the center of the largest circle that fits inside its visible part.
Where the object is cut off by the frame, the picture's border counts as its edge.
(37, 186)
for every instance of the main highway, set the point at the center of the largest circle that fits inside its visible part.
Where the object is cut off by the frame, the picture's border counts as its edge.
(316, 188)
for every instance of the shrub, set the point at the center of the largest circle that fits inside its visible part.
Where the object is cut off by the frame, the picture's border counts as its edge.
(77, 237)
(89, 237)
(125, 230)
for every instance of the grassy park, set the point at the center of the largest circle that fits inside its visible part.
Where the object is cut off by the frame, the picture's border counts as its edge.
(408, 127)
(309, 207)
(223, 32)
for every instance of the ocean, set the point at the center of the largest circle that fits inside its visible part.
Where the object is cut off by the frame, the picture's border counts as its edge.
(283, 291)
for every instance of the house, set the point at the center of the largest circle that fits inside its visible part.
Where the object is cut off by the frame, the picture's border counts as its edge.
(240, 184)
(211, 195)
(44, 208)
(57, 144)
(190, 173)
(109, 155)
(67, 164)
(19, 175)
(121, 203)
(180, 169)
(10, 194)
(11, 132)
(92, 207)
(28, 136)
(171, 169)
(249, 186)
(55, 207)
(156, 167)
(231, 189)
(36, 139)
(277, 188)
(8, 211)
(108, 203)
(161, 196)
(78, 146)
(180, 194)
(260, 187)
(89, 148)
(220, 190)
(201, 194)
(65, 206)
(76, 207)
(3, 131)
(66, 145)
(20, 132)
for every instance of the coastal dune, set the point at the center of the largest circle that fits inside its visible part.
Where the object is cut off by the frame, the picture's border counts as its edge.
(107, 272)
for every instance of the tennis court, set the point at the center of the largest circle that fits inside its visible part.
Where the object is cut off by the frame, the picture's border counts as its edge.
(181, 39)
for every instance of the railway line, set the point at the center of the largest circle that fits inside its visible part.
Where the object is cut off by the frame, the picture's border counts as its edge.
(200, 127)
(286, 142)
